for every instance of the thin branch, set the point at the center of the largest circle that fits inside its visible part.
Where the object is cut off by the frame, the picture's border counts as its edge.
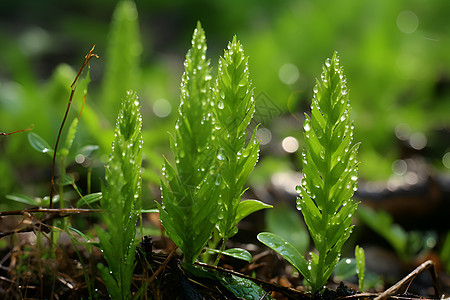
(21, 130)
(405, 282)
(72, 92)
(162, 266)
(51, 214)
(59, 211)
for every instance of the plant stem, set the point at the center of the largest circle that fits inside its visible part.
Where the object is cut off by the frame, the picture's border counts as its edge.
(222, 248)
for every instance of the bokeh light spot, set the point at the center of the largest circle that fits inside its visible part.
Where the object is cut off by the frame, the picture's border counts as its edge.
(288, 73)
(80, 158)
(399, 167)
(418, 140)
(162, 108)
(290, 144)
(446, 160)
(264, 136)
(407, 21)
(403, 131)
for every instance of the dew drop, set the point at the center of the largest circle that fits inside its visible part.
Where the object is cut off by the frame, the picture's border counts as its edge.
(307, 126)
(220, 156)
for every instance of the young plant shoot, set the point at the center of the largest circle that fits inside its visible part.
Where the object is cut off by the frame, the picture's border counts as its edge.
(190, 191)
(120, 200)
(235, 106)
(212, 162)
(329, 179)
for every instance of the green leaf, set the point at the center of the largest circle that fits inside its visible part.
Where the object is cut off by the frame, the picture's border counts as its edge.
(24, 199)
(70, 137)
(88, 149)
(360, 266)
(66, 179)
(381, 222)
(345, 269)
(32, 201)
(89, 199)
(238, 253)
(248, 207)
(241, 288)
(80, 233)
(286, 250)
(39, 144)
(283, 221)
(114, 290)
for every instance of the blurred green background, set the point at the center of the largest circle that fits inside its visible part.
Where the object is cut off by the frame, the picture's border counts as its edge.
(396, 55)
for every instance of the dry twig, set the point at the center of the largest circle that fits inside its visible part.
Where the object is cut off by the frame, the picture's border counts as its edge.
(50, 214)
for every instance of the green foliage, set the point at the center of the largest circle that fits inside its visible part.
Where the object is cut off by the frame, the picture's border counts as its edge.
(39, 144)
(406, 244)
(69, 138)
(348, 267)
(212, 163)
(190, 191)
(89, 278)
(238, 253)
(345, 269)
(445, 252)
(329, 179)
(283, 221)
(360, 266)
(120, 200)
(241, 288)
(122, 59)
(30, 200)
(235, 106)
(89, 199)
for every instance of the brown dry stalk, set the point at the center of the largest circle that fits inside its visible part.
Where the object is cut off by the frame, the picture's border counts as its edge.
(50, 214)
(406, 282)
(153, 277)
(21, 130)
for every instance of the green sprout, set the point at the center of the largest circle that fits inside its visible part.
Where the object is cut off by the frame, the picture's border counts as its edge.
(120, 200)
(329, 179)
(190, 190)
(203, 189)
(360, 266)
(235, 107)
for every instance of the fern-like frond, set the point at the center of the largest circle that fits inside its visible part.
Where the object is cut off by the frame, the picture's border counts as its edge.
(235, 106)
(120, 201)
(329, 172)
(189, 192)
(122, 56)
